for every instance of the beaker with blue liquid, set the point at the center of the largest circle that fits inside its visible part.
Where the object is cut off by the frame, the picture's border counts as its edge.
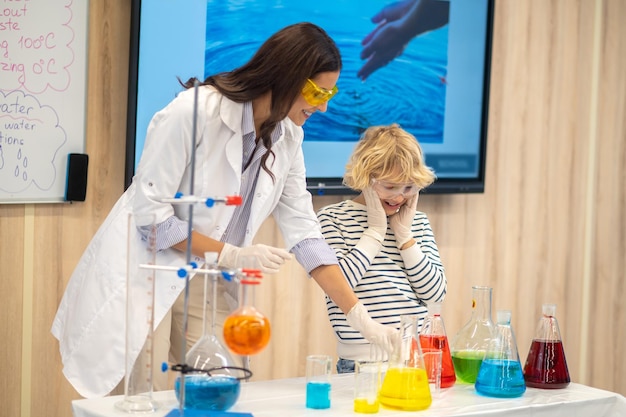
(318, 371)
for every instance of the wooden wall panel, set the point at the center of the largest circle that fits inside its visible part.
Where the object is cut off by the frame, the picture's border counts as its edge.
(606, 323)
(11, 282)
(541, 143)
(550, 226)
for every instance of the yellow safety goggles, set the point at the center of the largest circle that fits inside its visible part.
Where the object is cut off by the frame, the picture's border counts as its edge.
(315, 95)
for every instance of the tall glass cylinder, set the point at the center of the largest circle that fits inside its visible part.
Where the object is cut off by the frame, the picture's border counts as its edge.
(139, 322)
(471, 342)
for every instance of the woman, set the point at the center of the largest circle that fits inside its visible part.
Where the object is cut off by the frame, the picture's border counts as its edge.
(385, 247)
(249, 139)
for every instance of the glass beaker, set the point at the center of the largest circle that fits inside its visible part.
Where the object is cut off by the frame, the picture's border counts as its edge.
(405, 385)
(246, 330)
(214, 382)
(545, 365)
(433, 337)
(318, 381)
(367, 373)
(500, 373)
(470, 343)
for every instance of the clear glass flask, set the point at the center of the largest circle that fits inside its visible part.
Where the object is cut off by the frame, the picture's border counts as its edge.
(405, 385)
(500, 373)
(470, 343)
(215, 382)
(545, 365)
(433, 337)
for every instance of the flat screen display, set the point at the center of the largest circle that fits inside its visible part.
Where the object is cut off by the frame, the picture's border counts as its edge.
(435, 86)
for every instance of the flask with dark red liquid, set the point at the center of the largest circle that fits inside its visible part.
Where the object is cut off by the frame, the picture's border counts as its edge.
(546, 366)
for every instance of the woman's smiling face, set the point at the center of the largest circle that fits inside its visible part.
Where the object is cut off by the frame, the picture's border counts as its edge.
(301, 109)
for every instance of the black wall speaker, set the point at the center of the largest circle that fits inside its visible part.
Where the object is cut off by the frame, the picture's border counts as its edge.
(76, 187)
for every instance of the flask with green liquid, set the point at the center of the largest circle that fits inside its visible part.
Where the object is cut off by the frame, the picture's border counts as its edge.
(471, 342)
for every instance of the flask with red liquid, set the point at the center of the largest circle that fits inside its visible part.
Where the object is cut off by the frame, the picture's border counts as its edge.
(433, 337)
(546, 366)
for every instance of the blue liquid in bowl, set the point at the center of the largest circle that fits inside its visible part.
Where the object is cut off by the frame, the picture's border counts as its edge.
(203, 392)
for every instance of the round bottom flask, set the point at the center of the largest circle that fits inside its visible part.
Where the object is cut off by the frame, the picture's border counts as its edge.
(246, 330)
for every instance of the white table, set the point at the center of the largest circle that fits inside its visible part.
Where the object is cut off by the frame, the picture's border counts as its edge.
(286, 398)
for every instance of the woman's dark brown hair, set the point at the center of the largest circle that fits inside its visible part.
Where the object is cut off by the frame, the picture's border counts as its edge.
(280, 66)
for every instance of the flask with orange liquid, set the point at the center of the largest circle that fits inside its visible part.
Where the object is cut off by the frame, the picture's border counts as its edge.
(246, 330)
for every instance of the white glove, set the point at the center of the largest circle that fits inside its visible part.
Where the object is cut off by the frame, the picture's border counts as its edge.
(269, 259)
(401, 222)
(376, 216)
(380, 335)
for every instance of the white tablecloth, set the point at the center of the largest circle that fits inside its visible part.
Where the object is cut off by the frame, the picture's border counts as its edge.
(286, 398)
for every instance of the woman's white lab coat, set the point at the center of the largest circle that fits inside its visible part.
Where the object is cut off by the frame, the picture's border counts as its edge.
(90, 321)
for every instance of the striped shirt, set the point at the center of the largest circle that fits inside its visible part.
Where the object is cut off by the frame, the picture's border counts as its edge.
(390, 283)
(310, 253)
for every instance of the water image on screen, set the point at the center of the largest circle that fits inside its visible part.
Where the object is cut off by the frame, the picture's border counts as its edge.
(434, 84)
(410, 90)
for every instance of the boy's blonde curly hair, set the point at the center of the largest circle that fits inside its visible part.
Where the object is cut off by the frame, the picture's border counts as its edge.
(387, 153)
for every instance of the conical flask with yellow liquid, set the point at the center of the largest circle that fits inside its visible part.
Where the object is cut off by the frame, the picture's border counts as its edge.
(405, 385)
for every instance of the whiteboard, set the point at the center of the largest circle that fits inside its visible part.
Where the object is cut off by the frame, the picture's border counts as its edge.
(43, 72)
